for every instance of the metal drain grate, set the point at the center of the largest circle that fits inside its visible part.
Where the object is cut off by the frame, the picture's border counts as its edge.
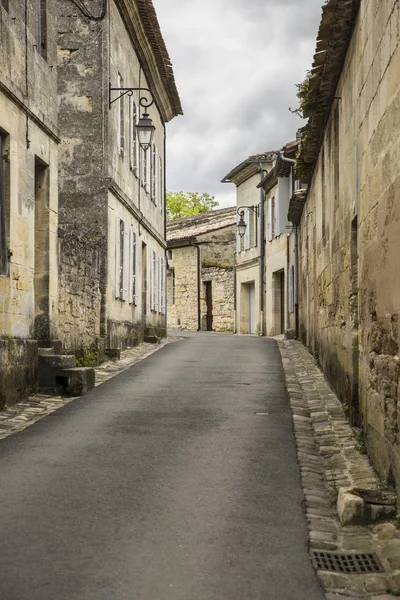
(347, 563)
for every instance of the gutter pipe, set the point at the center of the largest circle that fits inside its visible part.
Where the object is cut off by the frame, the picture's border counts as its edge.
(262, 252)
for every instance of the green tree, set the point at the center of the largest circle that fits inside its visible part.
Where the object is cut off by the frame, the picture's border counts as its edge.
(186, 204)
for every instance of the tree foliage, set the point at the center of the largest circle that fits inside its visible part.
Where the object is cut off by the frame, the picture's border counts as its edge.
(187, 204)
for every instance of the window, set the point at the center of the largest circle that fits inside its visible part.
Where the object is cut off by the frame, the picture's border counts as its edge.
(271, 219)
(121, 139)
(171, 287)
(134, 268)
(153, 191)
(4, 203)
(41, 27)
(152, 282)
(133, 143)
(162, 286)
(121, 260)
(160, 183)
(291, 290)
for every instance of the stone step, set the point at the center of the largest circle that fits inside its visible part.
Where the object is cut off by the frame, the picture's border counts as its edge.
(76, 381)
(45, 351)
(58, 361)
(48, 367)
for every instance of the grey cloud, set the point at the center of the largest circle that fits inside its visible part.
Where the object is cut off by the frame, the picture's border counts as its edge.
(236, 64)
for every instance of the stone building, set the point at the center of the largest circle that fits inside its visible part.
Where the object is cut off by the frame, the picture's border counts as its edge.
(200, 279)
(250, 250)
(281, 311)
(29, 139)
(265, 253)
(112, 193)
(350, 218)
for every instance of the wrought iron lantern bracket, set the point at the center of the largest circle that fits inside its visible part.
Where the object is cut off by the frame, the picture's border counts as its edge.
(146, 98)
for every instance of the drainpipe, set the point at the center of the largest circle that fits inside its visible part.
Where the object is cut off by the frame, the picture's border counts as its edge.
(262, 253)
(198, 285)
(234, 293)
(296, 269)
(296, 260)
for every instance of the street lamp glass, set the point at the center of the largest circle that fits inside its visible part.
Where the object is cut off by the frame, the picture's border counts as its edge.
(145, 131)
(241, 226)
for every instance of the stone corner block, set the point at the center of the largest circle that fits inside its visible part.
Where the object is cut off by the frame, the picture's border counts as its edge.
(350, 507)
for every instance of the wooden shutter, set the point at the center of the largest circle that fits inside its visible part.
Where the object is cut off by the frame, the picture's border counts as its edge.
(270, 223)
(117, 256)
(132, 267)
(125, 265)
(247, 234)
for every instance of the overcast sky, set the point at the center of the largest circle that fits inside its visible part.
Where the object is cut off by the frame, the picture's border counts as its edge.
(236, 63)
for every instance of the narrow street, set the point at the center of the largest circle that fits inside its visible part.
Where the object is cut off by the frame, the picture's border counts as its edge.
(176, 480)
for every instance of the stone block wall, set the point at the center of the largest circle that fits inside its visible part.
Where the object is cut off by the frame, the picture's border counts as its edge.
(349, 239)
(18, 364)
(222, 286)
(182, 314)
(79, 292)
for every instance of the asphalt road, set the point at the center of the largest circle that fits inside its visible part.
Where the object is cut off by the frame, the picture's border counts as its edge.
(162, 484)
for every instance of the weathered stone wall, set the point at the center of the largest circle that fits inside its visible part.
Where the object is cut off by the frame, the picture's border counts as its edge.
(28, 126)
(82, 92)
(18, 363)
(182, 314)
(79, 293)
(350, 232)
(222, 286)
(100, 175)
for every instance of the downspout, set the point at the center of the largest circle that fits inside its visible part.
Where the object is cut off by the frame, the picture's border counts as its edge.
(262, 253)
(296, 268)
(234, 293)
(198, 286)
(165, 228)
(296, 260)
(287, 280)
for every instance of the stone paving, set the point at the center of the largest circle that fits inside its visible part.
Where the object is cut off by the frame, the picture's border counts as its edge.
(36, 407)
(330, 457)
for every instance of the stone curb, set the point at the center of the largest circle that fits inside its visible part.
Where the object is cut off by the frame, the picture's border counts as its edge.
(329, 459)
(36, 407)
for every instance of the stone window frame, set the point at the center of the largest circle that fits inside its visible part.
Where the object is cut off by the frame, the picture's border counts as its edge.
(5, 252)
(133, 140)
(153, 174)
(41, 27)
(121, 119)
(171, 297)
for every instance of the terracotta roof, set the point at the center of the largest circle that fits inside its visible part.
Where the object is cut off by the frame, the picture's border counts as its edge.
(152, 28)
(334, 35)
(281, 168)
(249, 167)
(141, 21)
(189, 227)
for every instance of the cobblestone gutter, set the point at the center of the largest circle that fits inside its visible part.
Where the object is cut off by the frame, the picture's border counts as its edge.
(38, 406)
(329, 459)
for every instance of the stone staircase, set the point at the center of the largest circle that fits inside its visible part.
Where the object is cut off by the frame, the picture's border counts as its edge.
(57, 373)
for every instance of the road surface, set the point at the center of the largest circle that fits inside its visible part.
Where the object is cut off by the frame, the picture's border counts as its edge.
(176, 480)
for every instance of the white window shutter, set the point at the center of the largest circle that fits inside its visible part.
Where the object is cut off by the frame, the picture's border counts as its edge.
(161, 183)
(131, 265)
(138, 269)
(291, 285)
(125, 266)
(157, 285)
(247, 234)
(255, 229)
(163, 286)
(238, 243)
(155, 175)
(269, 219)
(117, 256)
(152, 280)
